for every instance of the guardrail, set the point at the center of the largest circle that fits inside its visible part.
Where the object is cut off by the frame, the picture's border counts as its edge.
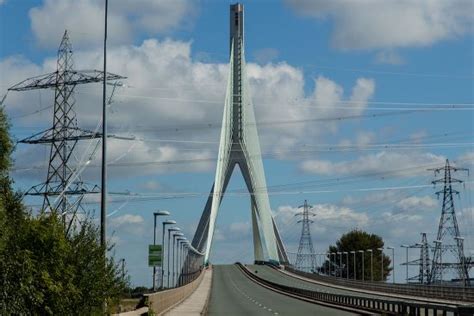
(369, 304)
(425, 291)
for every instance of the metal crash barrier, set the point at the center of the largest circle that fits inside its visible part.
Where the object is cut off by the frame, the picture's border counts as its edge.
(368, 304)
(425, 291)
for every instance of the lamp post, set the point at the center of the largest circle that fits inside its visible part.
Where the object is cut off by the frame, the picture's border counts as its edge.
(406, 247)
(123, 269)
(179, 257)
(440, 242)
(155, 214)
(371, 264)
(340, 263)
(334, 265)
(168, 222)
(174, 256)
(183, 260)
(326, 266)
(393, 263)
(176, 269)
(381, 264)
(363, 263)
(347, 264)
(172, 229)
(354, 252)
(186, 261)
(321, 263)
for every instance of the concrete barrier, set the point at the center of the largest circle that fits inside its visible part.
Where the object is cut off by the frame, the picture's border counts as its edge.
(137, 312)
(160, 302)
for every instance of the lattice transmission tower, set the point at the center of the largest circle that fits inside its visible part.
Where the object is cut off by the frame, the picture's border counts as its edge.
(424, 274)
(423, 262)
(305, 258)
(63, 189)
(448, 253)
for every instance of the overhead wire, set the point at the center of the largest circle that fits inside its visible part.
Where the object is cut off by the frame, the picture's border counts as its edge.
(433, 105)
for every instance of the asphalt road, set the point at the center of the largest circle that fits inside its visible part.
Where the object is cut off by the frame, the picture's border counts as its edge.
(275, 276)
(232, 293)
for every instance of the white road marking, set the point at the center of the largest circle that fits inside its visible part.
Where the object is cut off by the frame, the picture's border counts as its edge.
(251, 299)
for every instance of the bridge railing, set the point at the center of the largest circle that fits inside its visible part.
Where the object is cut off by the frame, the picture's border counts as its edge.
(427, 291)
(368, 304)
(162, 301)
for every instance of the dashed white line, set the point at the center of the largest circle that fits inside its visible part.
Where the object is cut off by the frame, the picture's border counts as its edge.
(252, 300)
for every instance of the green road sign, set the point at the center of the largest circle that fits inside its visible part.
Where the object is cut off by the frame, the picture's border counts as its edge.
(154, 255)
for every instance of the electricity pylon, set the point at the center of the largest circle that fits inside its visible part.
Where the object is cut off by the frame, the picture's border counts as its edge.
(449, 240)
(239, 145)
(423, 262)
(424, 274)
(305, 259)
(63, 189)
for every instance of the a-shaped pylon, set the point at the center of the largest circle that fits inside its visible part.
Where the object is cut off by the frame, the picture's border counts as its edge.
(239, 145)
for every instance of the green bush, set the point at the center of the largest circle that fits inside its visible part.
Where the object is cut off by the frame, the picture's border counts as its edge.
(43, 269)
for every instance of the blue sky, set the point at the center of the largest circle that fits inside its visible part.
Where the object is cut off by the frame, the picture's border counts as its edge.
(396, 66)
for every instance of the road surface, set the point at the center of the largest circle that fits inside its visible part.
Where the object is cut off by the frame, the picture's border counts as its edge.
(233, 293)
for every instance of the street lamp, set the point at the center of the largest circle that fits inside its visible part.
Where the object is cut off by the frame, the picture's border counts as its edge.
(123, 269)
(186, 261)
(334, 265)
(393, 263)
(354, 252)
(347, 264)
(174, 255)
(340, 263)
(167, 222)
(371, 264)
(328, 266)
(381, 260)
(171, 229)
(179, 257)
(363, 264)
(155, 214)
(440, 242)
(406, 247)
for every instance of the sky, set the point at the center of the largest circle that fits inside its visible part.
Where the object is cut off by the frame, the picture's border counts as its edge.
(354, 101)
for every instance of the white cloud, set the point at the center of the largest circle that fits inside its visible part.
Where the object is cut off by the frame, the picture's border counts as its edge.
(375, 24)
(465, 159)
(170, 96)
(397, 164)
(240, 228)
(218, 235)
(127, 219)
(417, 203)
(326, 216)
(151, 185)
(84, 19)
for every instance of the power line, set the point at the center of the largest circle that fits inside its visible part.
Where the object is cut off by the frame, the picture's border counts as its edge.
(434, 106)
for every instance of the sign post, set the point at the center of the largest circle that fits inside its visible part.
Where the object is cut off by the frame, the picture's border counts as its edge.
(154, 255)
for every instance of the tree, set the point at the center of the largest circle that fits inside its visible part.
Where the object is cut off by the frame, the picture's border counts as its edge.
(357, 240)
(43, 269)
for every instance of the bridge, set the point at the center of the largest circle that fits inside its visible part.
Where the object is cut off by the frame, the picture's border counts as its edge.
(273, 285)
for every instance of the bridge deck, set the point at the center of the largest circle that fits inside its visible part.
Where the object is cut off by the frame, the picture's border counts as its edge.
(233, 293)
(282, 278)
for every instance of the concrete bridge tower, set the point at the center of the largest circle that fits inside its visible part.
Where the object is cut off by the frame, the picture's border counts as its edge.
(239, 145)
